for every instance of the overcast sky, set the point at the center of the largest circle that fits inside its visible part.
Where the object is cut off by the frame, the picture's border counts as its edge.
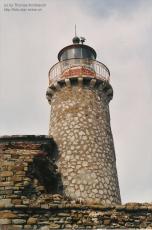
(121, 33)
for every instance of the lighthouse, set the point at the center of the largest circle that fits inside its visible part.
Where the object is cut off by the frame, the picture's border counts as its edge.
(79, 93)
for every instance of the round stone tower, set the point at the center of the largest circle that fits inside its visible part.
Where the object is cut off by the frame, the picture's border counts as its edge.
(79, 93)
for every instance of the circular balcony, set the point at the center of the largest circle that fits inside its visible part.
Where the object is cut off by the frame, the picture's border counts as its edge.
(78, 67)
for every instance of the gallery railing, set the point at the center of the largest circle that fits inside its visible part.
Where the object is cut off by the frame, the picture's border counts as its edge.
(78, 67)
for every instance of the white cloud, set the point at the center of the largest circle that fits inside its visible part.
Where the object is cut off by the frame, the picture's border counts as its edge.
(122, 38)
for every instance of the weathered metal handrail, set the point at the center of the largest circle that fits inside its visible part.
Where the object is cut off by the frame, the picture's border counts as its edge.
(97, 69)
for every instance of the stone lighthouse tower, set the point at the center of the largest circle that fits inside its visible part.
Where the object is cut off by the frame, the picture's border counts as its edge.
(79, 93)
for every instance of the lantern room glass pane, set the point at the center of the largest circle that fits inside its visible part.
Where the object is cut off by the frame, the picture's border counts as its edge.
(77, 52)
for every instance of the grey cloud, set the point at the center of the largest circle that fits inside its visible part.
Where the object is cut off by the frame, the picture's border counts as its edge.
(102, 8)
(29, 46)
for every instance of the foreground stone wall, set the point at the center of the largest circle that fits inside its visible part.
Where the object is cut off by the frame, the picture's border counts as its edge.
(76, 216)
(29, 183)
(27, 168)
(80, 125)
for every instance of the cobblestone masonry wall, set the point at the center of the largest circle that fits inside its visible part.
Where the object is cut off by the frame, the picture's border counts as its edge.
(25, 202)
(80, 125)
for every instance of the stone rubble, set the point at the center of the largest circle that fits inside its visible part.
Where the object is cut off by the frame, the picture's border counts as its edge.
(26, 204)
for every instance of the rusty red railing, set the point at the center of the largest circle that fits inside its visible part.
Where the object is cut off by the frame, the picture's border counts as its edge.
(78, 67)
